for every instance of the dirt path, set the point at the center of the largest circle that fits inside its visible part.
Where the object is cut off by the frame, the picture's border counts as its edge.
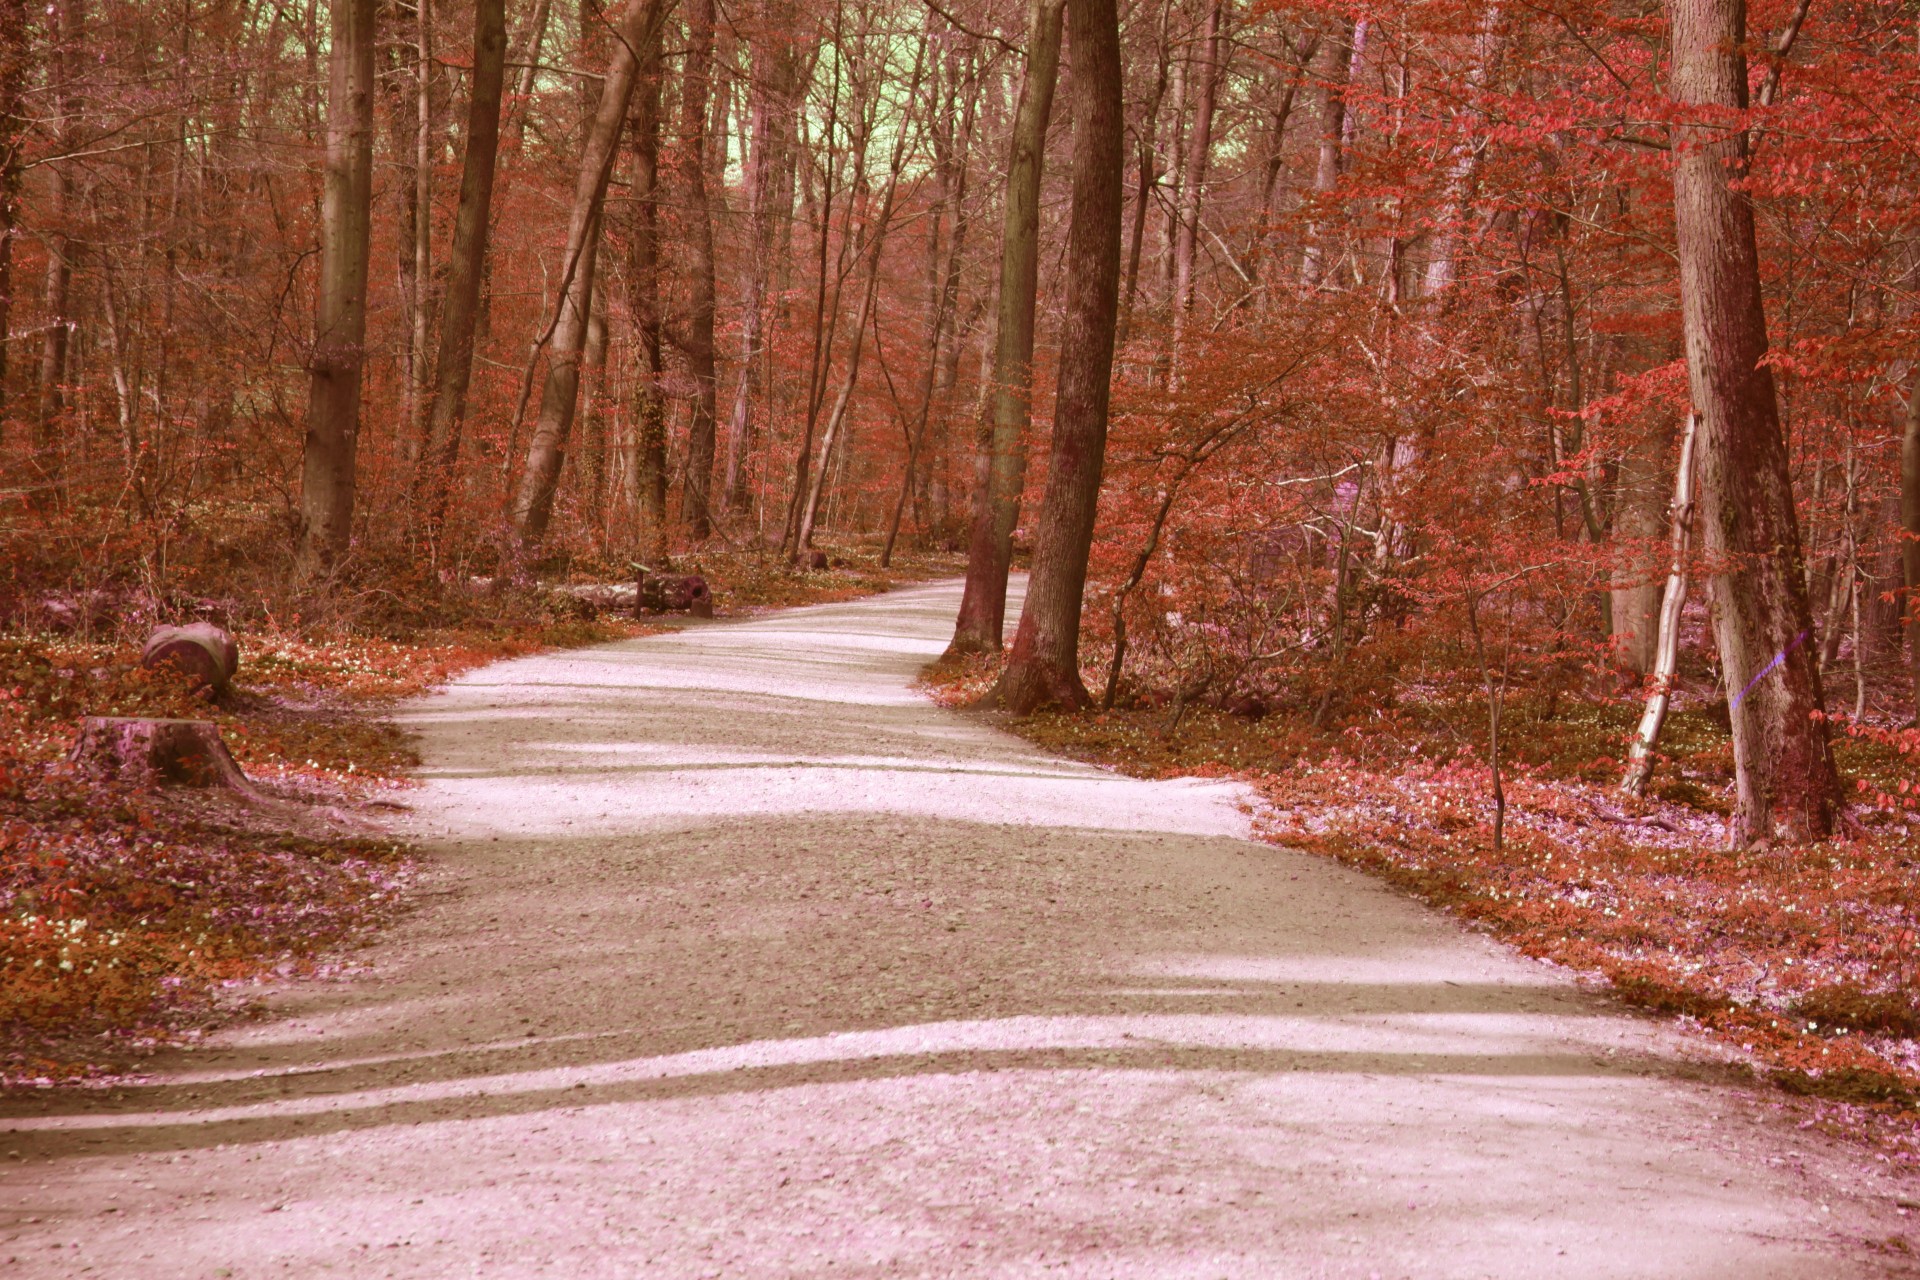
(740, 959)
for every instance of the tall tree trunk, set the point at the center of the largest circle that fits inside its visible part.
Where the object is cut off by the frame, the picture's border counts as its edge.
(340, 314)
(593, 396)
(983, 603)
(1207, 71)
(1044, 666)
(650, 405)
(422, 380)
(466, 268)
(695, 84)
(15, 66)
(1146, 174)
(1910, 543)
(1783, 769)
(1337, 52)
(772, 88)
(560, 395)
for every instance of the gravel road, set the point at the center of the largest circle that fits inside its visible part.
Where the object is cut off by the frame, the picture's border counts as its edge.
(736, 957)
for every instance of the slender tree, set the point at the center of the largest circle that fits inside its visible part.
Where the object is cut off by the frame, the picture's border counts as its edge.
(1044, 666)
(340, 316)
(696, 343)
(466, 268)
(983, 602)
(560, 395)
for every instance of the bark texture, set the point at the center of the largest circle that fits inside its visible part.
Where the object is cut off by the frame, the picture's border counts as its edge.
(560, 395)
(1044, 666)
(466, 266)
(340, 318)
(1784, 773)
(649, 479)
(1910, 537)
(697, 343)
(983, 604)
(773, 88)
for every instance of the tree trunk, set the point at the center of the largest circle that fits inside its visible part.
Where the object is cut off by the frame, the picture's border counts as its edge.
(776, 62)
(650, 409)
(694, 88)
(876, 243)
(1664, 665)
(559, 398)
(1044, 666)
(466, 268)
(1338, 53)
(422, 221)
(983, 603)
(1199, 150)
(15, 67)
(340, 314)
(1910, 541)
(1783, 768)
(1143, 137)
(1640, 516)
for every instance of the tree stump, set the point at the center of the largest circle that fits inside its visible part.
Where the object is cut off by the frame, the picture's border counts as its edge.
(152, 752)
(202, 652)
(674, 593)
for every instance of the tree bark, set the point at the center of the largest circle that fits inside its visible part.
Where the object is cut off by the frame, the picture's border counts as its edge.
(1338, 52)
(776, 62)
(695, 86)
(1909, 533)
(340, 319)
(466, 268)
(983, 602)
(1784, 773)
(1664, 664)
(1208, 71)
(422, 221)
(15, 67)
(560, 395)
(649, 409)
(1044, 666)
(1640, 516)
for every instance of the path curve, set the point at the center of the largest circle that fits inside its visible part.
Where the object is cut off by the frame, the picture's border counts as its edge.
(739, 958)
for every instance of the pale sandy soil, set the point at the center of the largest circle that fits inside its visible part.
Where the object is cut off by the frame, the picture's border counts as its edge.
(738, 958)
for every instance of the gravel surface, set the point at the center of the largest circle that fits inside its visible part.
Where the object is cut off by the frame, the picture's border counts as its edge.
(736, 957)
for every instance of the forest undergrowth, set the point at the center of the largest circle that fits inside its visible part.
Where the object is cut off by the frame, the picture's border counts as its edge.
(1799, 962)
(132, 918)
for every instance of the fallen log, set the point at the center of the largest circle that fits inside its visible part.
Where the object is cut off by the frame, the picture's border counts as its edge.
(153, 752)
(674, 593)
(202, 652)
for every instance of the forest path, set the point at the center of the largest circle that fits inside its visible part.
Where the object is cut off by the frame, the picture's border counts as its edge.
(739, 958)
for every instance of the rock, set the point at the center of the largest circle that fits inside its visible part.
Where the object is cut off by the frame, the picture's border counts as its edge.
(202, 652)
(674, 593)
(153, 752)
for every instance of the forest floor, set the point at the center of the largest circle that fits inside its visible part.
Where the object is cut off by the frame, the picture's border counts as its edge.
(735, 955)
